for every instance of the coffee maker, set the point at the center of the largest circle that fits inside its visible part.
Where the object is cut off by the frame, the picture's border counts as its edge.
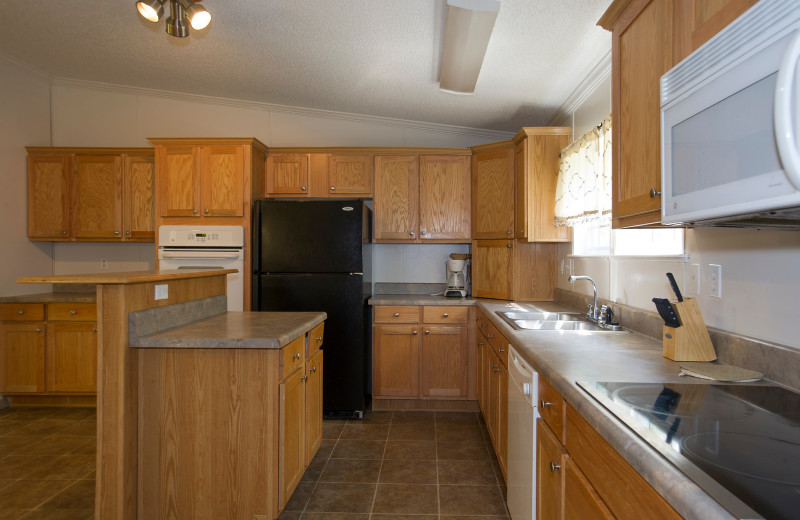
(457, 278)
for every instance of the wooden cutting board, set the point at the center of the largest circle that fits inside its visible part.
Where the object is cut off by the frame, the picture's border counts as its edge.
(719, 372)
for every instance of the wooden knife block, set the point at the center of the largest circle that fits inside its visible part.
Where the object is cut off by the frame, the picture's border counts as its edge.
(690, 341)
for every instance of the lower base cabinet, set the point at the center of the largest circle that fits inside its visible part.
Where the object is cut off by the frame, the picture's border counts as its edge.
(583, 477)
(493, 387)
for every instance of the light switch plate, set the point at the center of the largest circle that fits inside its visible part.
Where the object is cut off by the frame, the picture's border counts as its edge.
(715, 280)
(693, 279)
(162, 292)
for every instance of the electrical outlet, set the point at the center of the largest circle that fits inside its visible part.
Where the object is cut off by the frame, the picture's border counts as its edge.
(104, 264)
(162, 292)
(693, 279)
(715, 280)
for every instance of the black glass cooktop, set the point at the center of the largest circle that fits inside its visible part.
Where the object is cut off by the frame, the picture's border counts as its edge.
(740, 443)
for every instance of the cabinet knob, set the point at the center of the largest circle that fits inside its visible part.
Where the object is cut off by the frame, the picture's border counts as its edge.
(20, 312)
(545, 404)
(296, 356)
(194, 212)
(522, 231)
(127, 233)
(495, 368)
(319, 338)
(490, 336)
(302, 188)
(501, 350)
(414, 333)
(396, 314)
(38, 330)
(304, 378)
(480, 342)
(413, 234)
(63, 232)
(554, 467)
(508, 232)
(654, 193)
(116, 233)
(445, 315)
(94, 329)
(313, 369)
(73, 312)
(423, 231)
(333, 188)
(205, 211)
(427, 332)
(508, 246)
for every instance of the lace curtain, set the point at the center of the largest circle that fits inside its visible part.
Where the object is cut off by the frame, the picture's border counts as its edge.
(583, 191)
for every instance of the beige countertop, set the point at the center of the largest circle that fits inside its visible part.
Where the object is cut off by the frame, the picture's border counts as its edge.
(563, 358)
(127, 277)
(235, 330)
(419, 299)
(52, 297)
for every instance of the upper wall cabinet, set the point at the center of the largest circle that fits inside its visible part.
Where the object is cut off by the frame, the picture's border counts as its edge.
(318, 173)
(696, 21)
(493, 191)
(422, 199)
(350, 175)
(288, 175)
(90, 194)
(535, 176)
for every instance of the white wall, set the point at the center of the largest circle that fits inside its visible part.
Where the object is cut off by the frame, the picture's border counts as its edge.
(760, 268)
(24, 121)
(99, 115)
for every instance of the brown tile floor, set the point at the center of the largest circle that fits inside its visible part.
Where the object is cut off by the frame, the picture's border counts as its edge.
(47, 463)
(402, 466)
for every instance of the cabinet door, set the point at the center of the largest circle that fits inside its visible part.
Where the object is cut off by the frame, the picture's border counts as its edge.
(22, 357)
(445, 188)
(492, 268)
(221, 181)
(177, 181)
(96, 196)
(550, 457)
(138, 201)
(501, 449)
(696, 21)
(641, 54)
(493, 194)
(396, 361)
(350, 175)
(581, 501)
(483, 377)
(396, 202)
(291, 443)
(287, 174)
(444, 362)
(313, 405)
(48, 196)
(72, 357)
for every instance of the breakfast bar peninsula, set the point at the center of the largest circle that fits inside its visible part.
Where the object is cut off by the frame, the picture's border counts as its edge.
(201, 412)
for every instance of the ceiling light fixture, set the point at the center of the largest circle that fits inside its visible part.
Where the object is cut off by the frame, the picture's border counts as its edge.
(182, 12)
(468, 26)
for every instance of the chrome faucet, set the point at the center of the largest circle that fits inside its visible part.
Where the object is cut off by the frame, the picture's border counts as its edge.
(593, 311)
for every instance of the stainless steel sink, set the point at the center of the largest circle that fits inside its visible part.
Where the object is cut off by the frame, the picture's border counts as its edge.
(561, 321)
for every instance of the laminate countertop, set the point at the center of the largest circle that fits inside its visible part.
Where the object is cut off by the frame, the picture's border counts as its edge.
(419, 299)
(565, 358)
(265, 330)
(52, 297)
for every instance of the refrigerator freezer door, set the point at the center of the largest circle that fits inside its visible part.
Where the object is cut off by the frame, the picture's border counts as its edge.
(341, 296)
(310, 236)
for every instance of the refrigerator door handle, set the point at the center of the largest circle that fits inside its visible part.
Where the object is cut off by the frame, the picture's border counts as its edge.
(356, 274)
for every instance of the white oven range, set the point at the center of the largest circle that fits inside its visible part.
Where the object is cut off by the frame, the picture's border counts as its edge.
(206, 247)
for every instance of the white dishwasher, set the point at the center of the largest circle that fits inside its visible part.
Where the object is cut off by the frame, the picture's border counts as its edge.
(522, 413)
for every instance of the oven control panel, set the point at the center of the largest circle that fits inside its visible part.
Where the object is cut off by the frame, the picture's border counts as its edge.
(201, 236)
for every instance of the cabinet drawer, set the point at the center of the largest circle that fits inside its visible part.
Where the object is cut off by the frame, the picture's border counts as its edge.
(72, 312)
(444, 314)
(315, 336)
(552, 408)
(21, 311)
(293, 356)
(482, 323)
(498, 342)
(397, 314)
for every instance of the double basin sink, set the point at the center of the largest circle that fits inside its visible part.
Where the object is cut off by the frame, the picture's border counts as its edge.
(561, 321)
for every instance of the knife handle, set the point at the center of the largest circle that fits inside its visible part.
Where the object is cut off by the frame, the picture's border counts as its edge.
(674, 285)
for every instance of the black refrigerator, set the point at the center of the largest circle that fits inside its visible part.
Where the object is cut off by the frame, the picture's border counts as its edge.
(314, 255)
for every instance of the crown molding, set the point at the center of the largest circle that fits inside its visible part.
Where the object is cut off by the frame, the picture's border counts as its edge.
(599, 73)
(311, 112)
(29, 69)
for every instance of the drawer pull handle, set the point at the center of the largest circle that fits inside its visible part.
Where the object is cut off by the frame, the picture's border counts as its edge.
(501, 350)
(333, 188)
(127, 233)
(296, 356)
(20, 312)
(396, 314)
(545, 404)
(445, 315)
(38, 330)
(554, 467)
(73, 312)
(116, 233)
(427, 332)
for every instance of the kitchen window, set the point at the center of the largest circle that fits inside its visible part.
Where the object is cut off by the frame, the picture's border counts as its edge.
(598, 239)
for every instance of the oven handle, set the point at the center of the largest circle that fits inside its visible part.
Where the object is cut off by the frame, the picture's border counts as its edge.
(198, 255)
(784, 115)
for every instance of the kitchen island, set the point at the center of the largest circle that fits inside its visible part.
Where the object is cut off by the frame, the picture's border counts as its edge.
(201, 413)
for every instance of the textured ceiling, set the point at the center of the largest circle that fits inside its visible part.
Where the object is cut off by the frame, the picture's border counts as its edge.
(372, 57)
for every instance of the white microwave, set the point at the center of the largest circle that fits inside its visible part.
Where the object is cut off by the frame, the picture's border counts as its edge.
(729, 118)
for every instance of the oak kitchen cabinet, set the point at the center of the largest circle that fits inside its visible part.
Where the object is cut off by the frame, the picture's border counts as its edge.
(493, 191)
(48, 348)
(422, 198)
(493, 386)
(420, 352)
(90, 194)
(580, 476)
(211, 182)
(648, 38)
(319, 173)
(513, 269)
